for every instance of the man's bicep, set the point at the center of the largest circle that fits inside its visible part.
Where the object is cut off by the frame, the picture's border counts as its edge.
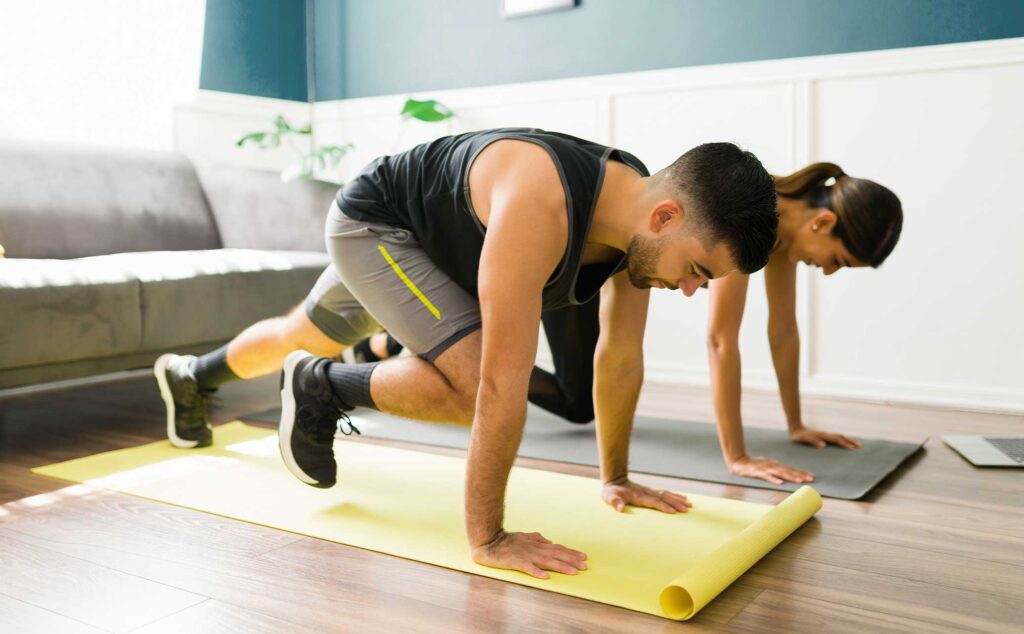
(728, 297)
(522, 248)
(623, 316)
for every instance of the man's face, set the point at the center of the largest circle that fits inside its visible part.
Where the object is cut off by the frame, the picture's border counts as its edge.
(676, 261)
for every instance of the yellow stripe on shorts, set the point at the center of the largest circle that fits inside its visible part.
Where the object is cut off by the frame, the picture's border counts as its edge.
(412, 287)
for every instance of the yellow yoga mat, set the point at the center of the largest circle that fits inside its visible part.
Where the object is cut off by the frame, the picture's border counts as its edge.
(409, 504)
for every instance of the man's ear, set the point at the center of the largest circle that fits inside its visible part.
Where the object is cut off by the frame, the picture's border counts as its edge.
(667, 215)
(824, 221)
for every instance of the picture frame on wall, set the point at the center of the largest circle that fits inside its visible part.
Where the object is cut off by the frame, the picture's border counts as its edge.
(522, 8)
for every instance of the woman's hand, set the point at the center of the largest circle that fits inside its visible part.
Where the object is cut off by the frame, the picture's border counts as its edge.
(767, 469)
(531, 553)
(818, 438)
(618, 493)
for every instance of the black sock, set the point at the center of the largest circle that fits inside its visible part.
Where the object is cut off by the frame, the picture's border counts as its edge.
(393, 347)
(351, 383)
(364, 351)
(211, 370)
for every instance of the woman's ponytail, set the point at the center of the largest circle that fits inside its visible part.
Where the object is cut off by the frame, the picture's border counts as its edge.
(869, 216)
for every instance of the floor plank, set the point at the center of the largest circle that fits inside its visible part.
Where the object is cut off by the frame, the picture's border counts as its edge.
(952, 571)
(772, 612)
(18, 617)
(84, 591)
(106, 521)
(975, 610)
(214, 617)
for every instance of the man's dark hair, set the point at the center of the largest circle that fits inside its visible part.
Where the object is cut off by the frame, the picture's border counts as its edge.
(734, 197)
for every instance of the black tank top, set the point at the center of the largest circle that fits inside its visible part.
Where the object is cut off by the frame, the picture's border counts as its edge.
(426, 190)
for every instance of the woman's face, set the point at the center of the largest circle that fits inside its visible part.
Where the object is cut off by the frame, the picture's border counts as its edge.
(814, 244)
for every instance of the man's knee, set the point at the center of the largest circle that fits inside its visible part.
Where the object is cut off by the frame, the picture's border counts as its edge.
(300, 332)
(460, 366)
(464, 400)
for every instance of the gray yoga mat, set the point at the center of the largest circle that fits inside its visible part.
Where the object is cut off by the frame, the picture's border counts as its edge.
(664, 447)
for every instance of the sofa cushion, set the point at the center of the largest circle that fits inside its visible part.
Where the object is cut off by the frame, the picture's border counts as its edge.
(253, 209)
(194, 296)
(56, 311)
(65, 310)
(69, 202)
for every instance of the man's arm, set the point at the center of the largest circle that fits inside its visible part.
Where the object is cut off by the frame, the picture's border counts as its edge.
(618, 376)
(728, 297)
(527, 230)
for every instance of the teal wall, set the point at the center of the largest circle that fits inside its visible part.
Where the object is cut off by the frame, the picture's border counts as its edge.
(255, 47)
(375, 47)
(330, 25)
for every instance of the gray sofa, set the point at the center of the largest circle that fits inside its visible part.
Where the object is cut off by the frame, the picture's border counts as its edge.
(114, 257)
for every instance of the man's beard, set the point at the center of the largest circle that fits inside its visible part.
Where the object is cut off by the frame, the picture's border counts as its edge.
(641, 258)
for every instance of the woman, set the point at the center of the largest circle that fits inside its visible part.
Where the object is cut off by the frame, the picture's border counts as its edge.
(828, 220)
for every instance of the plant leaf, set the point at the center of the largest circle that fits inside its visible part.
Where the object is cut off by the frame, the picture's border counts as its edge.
(336, 150)
(430, 110)
(254, 137)
(281, 125)
(265, 140)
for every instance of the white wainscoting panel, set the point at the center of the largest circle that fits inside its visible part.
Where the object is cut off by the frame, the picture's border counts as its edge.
(946, 311)
(659, 127)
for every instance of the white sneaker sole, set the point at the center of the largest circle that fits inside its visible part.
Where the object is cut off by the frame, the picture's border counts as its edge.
(160, 372)
(287, 424)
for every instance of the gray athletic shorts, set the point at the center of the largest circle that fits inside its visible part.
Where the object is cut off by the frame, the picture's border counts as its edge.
(382, 279)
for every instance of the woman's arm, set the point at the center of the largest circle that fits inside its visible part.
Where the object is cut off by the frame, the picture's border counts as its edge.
(784, 335)
(784, 339)
(728, 298)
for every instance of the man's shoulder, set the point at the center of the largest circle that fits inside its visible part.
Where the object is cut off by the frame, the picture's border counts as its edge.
(522, 169)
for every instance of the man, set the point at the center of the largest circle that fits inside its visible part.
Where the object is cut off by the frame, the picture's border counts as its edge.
(457, 247)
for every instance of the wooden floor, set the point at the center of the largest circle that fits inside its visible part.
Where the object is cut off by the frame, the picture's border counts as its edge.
(939, 547)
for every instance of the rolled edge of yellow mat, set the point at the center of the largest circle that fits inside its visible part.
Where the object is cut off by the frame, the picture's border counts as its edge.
(695, 588)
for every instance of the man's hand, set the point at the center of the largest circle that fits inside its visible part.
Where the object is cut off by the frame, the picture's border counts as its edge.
(767, 469)
(531, 553)
(818, 438)
(618, 493)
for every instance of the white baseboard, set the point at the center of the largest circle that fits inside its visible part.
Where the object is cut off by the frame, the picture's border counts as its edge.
(956, 397)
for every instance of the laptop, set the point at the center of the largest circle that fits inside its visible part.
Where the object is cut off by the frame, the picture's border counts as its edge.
(989, 451)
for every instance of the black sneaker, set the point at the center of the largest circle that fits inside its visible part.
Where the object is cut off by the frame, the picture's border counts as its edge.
(310, 414)
(187, 426)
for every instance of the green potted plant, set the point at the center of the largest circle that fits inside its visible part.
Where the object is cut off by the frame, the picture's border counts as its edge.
(322, 158)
